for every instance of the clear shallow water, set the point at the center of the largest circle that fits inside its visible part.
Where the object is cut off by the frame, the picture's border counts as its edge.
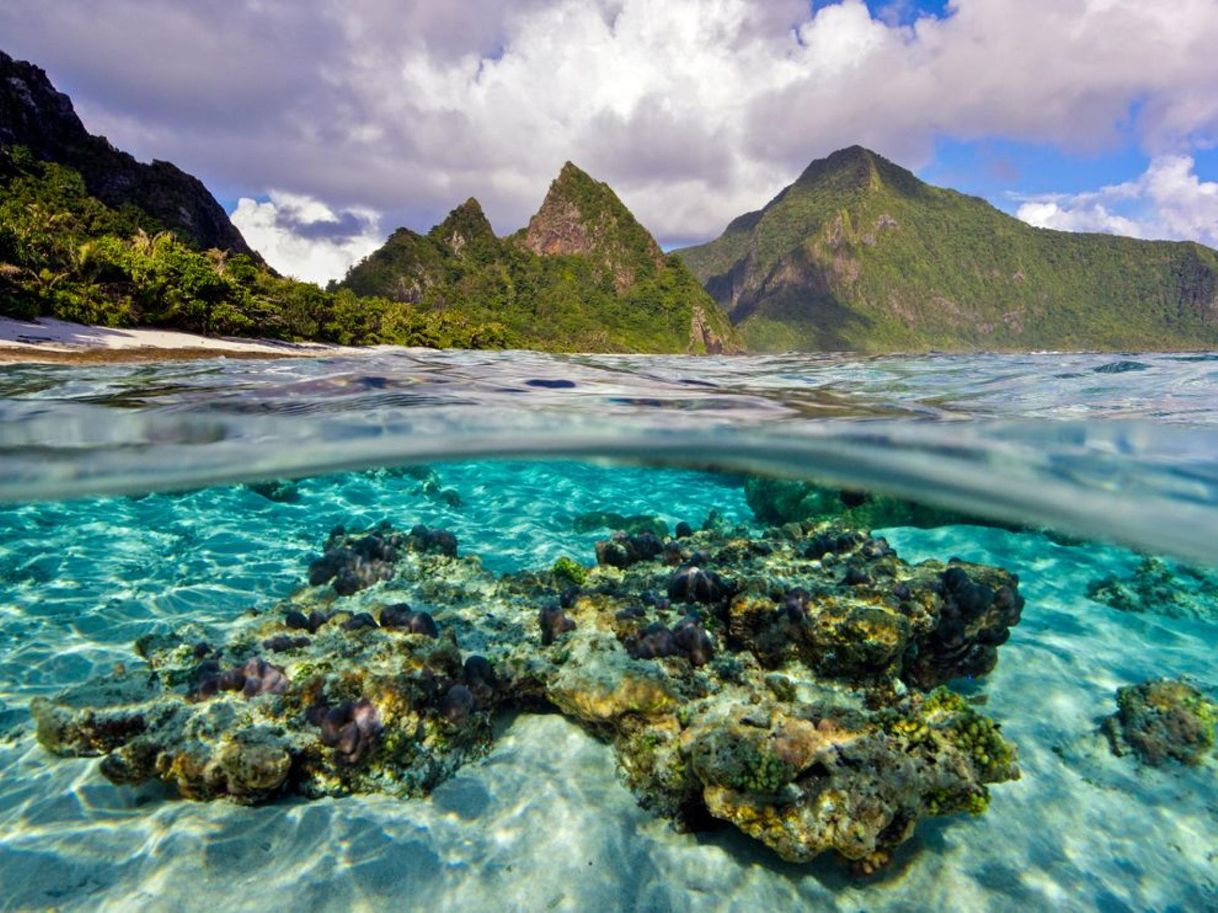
(1044, 438)
(1123, 447)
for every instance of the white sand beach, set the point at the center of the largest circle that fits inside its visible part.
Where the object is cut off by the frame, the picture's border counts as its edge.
(51, 340)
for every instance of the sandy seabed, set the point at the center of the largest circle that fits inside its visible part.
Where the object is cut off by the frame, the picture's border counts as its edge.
(544, 824)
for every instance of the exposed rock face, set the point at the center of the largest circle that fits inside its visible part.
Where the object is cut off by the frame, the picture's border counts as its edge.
(34, 114)
(584, 216)
(701, 335)
(581, 216)
(557, 228)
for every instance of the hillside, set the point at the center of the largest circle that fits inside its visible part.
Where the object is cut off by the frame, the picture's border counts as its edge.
(858, 254)
(583, 276)
(66, 254)
(36, 116)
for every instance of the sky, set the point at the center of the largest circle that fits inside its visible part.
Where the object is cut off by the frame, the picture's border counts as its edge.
(322, 125)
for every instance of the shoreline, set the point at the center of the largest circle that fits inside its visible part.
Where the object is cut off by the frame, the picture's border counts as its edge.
(51, 341)
(18, 355)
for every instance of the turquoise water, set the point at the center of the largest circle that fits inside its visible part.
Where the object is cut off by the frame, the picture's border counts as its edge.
(127, 514)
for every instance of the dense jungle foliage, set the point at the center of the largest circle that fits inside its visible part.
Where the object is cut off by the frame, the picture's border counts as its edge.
(858, 254)
(65, 254)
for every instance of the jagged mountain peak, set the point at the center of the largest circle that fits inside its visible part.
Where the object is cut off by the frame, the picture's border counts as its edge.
(581, 215)
(466, 228)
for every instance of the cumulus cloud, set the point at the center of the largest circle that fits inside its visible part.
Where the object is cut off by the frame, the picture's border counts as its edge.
(1168, 202)
(304, 238)
(695, 110)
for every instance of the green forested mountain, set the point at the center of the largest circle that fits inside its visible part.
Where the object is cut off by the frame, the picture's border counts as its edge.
(64, 253)
(860, 254)
(583, 276)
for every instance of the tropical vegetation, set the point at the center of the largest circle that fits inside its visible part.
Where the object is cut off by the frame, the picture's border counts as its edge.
(859, 254)
(584, 276)
(64, 253)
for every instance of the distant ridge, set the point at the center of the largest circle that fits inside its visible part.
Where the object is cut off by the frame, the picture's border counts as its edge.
(859, 254)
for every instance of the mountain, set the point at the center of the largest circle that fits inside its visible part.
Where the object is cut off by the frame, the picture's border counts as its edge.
(33, 114)
(858, 254)
(90, 235)
(583, 276)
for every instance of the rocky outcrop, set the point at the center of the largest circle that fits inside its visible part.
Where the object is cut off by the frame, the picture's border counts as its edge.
(583, 216)
(789, 683)
(702, 337)
(35, 115)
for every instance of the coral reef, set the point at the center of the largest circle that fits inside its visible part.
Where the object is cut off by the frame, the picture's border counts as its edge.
(356, 561)
(597, 520)
(789, 683)
(1155, 586)
(1162, 720)
(780, 501)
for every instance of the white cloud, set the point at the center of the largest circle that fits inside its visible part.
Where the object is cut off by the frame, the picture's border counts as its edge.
(694, 110)
(1167, 202)
(304, 238)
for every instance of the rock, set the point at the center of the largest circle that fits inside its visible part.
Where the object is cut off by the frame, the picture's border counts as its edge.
(283, 491)
(633, 525)
(1162, 720)
(35, 115)
(356, 561)
(780, 692)
(623, 549)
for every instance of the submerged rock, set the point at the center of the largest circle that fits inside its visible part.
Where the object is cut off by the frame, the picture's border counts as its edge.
(596, 520)
(1177, 591)
(780, 501)
(284, 491)
(354, 561)
(779, 682)
(625, 549)
(1162, 720)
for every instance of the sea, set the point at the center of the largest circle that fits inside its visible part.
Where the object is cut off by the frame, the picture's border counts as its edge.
(140, 499)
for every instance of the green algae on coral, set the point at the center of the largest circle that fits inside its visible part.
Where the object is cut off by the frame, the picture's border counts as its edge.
(569, 572)
(1155, 586)
(780, 682)
(1162, 720)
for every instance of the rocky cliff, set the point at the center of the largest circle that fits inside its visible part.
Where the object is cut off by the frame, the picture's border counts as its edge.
(35, 115)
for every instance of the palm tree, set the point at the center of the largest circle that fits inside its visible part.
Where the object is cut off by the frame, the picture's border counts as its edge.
(219, 260)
